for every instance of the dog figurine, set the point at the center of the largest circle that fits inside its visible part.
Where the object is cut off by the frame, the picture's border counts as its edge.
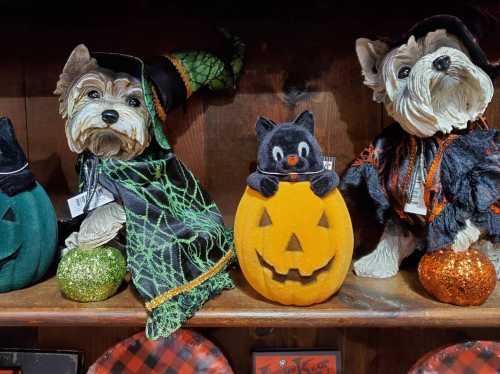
(433, 175)
(105, 116)
(115, 107)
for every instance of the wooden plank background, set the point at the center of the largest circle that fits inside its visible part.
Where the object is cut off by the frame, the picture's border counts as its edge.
(298, 57)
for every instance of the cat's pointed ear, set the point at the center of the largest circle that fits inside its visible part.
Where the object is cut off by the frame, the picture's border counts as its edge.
(263, 126)
(306, 120)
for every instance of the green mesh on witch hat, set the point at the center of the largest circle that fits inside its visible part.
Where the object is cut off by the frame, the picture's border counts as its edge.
(202, 68)
(173, 78)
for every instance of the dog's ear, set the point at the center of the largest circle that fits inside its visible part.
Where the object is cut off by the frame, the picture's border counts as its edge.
(79, 63)
(370, 55)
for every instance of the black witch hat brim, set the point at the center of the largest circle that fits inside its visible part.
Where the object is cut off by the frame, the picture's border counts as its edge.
(454, 26)
(120, 63)
(163, 74)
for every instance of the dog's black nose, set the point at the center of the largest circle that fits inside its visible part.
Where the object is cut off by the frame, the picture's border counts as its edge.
(110, 116)
(442, 63)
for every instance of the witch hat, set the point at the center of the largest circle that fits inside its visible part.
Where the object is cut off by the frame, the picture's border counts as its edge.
(169, 80)
(176, 76)
(458, 28)
(15, 175)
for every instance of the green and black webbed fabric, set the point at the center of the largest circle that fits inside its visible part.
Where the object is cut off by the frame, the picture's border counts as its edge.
(175, 234)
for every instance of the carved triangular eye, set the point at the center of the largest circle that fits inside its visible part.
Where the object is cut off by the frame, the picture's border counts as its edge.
(323, 221)
(9, 215)
(265, 220)
(294, 244)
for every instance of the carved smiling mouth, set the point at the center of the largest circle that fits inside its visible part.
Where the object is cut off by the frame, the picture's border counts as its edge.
(293, 274)
(9, 258)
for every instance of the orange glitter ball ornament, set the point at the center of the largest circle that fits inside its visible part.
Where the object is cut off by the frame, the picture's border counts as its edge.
(460, 278)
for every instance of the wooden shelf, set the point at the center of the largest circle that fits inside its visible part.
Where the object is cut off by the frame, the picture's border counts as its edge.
(399, 301)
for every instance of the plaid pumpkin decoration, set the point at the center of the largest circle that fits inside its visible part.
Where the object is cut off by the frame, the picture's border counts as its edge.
(184, 352)
(479, 357)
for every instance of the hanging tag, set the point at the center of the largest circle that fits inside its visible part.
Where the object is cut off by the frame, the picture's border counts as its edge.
(77, 203)
(416, 201)
(416, 206)
(329, 162)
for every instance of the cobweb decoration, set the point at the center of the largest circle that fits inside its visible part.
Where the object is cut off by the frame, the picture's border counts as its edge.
(175, 233)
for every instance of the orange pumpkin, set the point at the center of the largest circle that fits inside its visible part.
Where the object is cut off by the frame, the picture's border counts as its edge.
(294, 247)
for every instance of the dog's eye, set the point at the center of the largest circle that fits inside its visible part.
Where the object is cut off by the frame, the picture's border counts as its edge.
(94, 94)
(132, 101)
(404, 72)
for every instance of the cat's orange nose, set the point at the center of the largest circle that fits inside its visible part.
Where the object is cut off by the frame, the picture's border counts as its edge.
(292, 160)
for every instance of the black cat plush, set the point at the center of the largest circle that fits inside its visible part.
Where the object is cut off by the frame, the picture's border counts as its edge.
(290, 152)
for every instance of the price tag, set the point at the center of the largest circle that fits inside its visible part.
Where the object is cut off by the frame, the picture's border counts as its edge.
(77, 203)
(329, 162)
(416, 202)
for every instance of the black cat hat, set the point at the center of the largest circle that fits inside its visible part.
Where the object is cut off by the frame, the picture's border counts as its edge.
(15, 176)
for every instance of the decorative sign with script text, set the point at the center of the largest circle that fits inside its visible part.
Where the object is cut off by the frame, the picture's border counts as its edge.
(297, 362)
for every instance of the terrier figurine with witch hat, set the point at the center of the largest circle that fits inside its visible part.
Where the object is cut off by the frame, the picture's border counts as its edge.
(434, 176)
(115, 107)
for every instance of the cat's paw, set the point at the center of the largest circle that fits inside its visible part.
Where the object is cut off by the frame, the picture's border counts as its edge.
(268, 186)
(324, 183)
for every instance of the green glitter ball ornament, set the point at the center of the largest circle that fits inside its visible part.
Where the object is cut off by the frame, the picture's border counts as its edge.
(91, 274)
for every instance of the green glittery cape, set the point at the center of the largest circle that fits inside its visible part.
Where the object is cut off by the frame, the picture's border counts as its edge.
(175, 232)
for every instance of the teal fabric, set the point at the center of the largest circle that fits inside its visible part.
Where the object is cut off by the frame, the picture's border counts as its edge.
(28, 232)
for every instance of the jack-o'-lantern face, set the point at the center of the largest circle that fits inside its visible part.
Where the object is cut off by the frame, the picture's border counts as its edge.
(28, 237)
(295, 247)
(11, 234)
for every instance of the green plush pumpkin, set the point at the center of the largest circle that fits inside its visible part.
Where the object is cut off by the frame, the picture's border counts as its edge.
(28, 232)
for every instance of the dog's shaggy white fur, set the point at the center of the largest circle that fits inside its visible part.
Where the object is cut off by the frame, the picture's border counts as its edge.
(427, 100)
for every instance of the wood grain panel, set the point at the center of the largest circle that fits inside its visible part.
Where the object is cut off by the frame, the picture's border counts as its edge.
(12, 80)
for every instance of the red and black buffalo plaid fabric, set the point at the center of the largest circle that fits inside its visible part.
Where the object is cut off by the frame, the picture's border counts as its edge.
(479, 357)
(183, 352)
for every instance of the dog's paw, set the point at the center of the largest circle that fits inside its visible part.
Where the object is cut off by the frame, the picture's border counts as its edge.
(324, 183)
(376, 265)
(268, 186)
(466, 237)
(395, 245)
